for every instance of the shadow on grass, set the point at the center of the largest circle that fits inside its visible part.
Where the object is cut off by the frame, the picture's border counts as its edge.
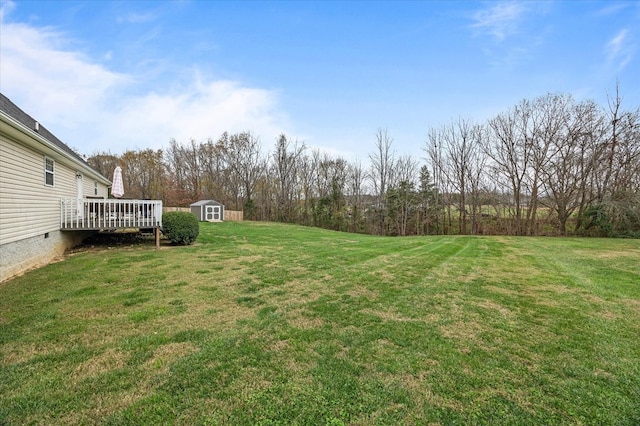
(106, 240)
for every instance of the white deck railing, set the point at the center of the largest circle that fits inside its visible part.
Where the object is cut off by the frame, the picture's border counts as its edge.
(83, 213)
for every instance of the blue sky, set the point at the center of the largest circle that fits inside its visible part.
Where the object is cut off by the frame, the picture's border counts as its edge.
(124, 75)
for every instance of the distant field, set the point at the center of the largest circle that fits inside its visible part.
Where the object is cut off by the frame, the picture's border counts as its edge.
(273, 324)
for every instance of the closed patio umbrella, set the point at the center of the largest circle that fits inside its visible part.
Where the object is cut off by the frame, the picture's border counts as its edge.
(117, 189)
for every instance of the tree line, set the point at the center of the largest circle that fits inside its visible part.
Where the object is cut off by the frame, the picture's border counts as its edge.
(547, 166)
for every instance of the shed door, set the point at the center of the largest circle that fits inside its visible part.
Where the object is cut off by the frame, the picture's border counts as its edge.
(212, 213)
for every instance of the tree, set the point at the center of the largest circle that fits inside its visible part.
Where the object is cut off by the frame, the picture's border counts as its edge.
(143, 174)
(286, 163)
(331, 177)
(104, 162)
(437, 158)
(213, 169)
(355, 195)
(242, 155)
(427, 213)
(509, 147)
(184, 173)
(307, 172)
(461, 143)
(380, 174)
(574, 155)
(615, 207)
(402, 196)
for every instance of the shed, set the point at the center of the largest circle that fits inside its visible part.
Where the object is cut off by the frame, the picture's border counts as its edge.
(208, 211)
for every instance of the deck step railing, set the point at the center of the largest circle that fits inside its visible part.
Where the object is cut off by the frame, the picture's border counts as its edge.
(83, 213)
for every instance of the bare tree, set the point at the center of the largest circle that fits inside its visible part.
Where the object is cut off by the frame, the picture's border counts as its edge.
(242, 154)
(307, 172)
(143, 174)
(213, 169)
(104, 162)
(286, 164)
(461, 141)
(331, 178)
(475, 176)
(615, 208)
(573, 160)
(355, 193)
(183, 163)
(380, 174)
(437, 158)
(402, 195)
(509, 147)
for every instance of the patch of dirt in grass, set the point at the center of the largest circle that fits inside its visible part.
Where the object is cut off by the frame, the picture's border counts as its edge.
(467, 331)
(613, 254)
(280, 345)
(592, 298)
(359, 291)
(106, 361)
(19, 352)
(102, 406)
(552, 288)
(604, 374)
(525, 357)
(500, 290)
(608, 315)
(210, 316)
(395, 316)
(298, 293)
(545, 294)
(385, 342)
(493, 306)
(419, 385)
(251, 381)
(633, 304)
(384, 275)
(297, 318)
(166, 355)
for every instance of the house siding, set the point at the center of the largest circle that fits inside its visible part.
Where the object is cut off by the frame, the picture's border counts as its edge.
(30, 233)
(29, 207)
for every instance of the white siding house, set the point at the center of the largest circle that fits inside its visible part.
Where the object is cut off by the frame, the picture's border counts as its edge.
(37, 170)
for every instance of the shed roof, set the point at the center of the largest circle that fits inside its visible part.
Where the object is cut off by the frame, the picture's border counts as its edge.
(206, 203)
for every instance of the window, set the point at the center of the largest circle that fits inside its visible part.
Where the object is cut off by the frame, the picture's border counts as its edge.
(95, 187)
(48, 171)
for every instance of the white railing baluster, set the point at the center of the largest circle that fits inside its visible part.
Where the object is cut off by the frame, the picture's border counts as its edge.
(109, 213)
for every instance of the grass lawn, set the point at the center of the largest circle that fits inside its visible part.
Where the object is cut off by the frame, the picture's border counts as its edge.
(275, 324)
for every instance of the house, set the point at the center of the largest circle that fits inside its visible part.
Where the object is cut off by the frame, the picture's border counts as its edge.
(208, 211)
(50, 198)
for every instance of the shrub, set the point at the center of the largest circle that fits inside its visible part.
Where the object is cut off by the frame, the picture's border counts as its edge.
(180, 227)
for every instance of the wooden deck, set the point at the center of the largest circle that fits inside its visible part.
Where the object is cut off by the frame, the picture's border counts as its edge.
(104, 214)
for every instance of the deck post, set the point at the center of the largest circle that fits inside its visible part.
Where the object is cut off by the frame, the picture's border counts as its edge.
(157, 234)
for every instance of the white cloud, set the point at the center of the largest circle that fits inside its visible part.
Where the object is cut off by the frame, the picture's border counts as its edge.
(136, 18)
(199, 111)
(620, 50)
(93, 108)
(6, 7)
(61, 84)
(611, 9)
(499, 20)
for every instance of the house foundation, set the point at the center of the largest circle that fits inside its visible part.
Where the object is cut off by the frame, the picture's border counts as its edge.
(20, 256)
